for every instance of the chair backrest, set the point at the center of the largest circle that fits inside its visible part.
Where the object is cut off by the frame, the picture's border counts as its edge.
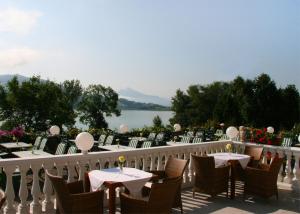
(60, 188)
(151, 136)
(2, 198)
(37, 142)
(185, 139)
(287, 142)
(175, 167)
(147, 144)
(43, 144)
(133, 143)
(162, 195)
(109, 140)
(72, 149)
(219, 132)
(197, 140)
(275, 166)
(204, 167)
(60, 149)
(190, 134)
(160, 136)
(199, 134)
(224, 137)
(101, 139)
(254, 152)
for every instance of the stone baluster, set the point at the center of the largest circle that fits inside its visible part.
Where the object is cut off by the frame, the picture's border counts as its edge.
(144, 159)
(264, 159)
(152, 163)
(296, 178)
(81, 172)
(47, 204)
(159, 162)
(136, 162)
(9, 191)
(71, 172)
(23, 192)
(281, 171)
(186, 173)
(35, 206)
(288, 175)
(191, 169)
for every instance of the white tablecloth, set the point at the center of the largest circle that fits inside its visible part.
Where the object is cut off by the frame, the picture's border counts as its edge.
(133, 179)
(223, 158)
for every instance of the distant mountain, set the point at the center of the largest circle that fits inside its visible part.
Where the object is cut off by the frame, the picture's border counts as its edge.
(4, 78)
(133, 95)
(125, 104)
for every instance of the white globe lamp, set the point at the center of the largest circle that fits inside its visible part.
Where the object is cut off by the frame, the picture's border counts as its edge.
(232, 132)
(299, 137)
(177, 127)
(270, 130)
(54, 130)
(123, 128)
(84, 141)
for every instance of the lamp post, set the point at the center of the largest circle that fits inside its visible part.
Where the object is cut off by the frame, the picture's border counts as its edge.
(84, 141)
(54, 130)
(123, 129)
(177, 127)
(232, 132)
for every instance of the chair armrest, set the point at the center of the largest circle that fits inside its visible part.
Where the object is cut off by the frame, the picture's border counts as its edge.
(87, 199)
(222, 171)
(160, 173)
(256, 173)
(75, 187)
(132, 205)
(263, 166)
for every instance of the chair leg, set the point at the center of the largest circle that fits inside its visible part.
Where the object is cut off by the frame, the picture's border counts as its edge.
(277, 194)
(193, 193)
(181, 208)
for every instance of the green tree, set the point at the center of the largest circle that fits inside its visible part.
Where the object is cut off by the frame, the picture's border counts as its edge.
(33, 102)
(96, 101)
(157, 122)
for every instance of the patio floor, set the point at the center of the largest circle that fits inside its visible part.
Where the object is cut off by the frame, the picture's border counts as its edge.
(289, 202)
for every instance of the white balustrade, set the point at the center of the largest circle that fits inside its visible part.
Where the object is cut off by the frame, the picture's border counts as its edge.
(144, 158)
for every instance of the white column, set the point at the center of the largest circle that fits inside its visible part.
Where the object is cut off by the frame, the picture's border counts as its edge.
(71, 172)
(152, 162)
(23, 192)
(47, 204)
(35, 206)
(9, 191)
(296, 178)
(288, 176)
(281, 171)
(159, 162)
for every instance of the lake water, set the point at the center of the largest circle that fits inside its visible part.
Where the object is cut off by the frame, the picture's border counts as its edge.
(134, 119)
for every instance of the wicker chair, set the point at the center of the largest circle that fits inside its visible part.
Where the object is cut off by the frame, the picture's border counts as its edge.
(255, 153)
(262, 181)
(174, 168)
(160, 200)
(2, 198)
(208, 179)
(71, 198)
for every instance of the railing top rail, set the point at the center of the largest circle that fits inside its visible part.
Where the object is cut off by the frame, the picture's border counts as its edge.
(278, 148)
(107, 154)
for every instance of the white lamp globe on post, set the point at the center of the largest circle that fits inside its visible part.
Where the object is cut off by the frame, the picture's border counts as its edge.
(123, 129)
(177, 127)
(84, 141)
(232, 132)
(299, 137)
(270, 130)
(54, 130)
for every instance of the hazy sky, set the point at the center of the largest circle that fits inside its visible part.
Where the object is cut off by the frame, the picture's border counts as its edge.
(153, 46)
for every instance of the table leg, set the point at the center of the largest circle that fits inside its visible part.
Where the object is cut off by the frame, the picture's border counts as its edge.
(232, 180)
(112, 200)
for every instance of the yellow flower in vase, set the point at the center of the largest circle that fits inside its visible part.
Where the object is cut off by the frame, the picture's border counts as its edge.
(229, 148)
(121, 162)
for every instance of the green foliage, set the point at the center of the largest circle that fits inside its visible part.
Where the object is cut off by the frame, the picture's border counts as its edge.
(157, 122)
(96, 101)
(33, 102)
(256, 103)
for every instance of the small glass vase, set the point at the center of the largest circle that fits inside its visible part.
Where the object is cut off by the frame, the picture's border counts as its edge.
(121, 167)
